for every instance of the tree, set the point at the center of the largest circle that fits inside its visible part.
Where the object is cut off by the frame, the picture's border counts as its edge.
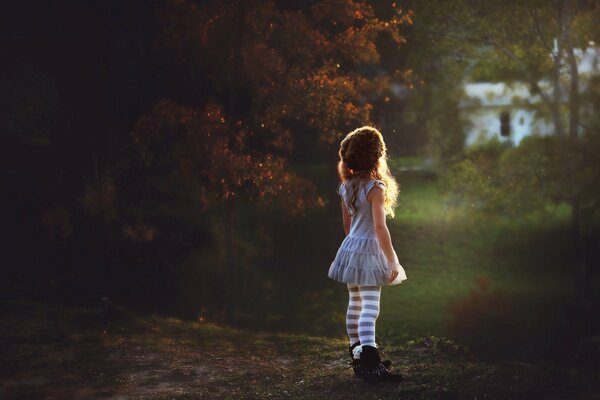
(254, 75)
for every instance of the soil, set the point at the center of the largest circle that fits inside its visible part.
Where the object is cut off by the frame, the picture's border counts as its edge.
(54, 351)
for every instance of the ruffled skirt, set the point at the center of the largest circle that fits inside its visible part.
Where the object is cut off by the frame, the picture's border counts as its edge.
(362, 262)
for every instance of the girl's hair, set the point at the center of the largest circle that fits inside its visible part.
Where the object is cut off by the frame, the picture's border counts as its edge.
(363, 155)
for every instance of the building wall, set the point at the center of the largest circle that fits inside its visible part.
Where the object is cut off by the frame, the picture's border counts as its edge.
(485, 124)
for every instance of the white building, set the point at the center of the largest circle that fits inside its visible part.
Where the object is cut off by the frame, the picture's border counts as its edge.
(508, 111)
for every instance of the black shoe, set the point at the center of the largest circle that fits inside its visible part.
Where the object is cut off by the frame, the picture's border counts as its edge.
(356, 365)
(373, 369)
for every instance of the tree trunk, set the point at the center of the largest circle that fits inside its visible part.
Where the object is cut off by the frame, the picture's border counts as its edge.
(230, 261)
(582, 267)
(574, 93)
(236, 59)
(576, 235)
(231, 273)
(556, 95)
(581, 316)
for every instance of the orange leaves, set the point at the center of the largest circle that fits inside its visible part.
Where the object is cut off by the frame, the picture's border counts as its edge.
(354, 28)
(261, 63)
(278, 48)
(279, 73)
(212, 156)
(351, 108)
(343, 12)
(330, 100)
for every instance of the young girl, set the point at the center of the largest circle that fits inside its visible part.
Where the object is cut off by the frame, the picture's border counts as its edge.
(366, 259)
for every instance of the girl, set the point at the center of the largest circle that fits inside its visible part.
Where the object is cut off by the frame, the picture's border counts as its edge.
(366, 259)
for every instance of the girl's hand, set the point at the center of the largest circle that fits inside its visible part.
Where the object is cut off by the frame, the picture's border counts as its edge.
(393, 268)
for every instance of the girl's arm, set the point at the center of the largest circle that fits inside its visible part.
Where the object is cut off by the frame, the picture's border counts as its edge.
(381, 229)
(346, 218)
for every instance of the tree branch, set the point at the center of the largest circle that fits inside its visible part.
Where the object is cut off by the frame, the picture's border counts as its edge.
(523, 67)
(574, 72)
(538, 29)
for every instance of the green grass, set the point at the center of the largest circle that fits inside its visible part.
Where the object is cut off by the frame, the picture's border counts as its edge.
(419, 202)
(446, 251)
(395, 163)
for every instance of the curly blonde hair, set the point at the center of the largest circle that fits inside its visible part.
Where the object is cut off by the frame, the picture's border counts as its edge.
(363, 155)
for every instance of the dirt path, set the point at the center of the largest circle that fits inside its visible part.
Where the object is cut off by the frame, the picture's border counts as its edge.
(54, 352)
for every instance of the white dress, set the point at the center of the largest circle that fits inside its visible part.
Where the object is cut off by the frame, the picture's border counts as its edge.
(360, 259)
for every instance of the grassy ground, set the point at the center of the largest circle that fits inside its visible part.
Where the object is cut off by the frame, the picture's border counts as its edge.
(521, 269)
(446, 253)
(59, 352)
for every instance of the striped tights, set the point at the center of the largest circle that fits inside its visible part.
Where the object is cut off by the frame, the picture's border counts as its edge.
(363, 310)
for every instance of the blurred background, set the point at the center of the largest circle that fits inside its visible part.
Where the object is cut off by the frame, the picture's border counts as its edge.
(179, 157)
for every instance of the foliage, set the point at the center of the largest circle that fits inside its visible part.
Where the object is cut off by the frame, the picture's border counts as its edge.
(520, 39)
(521, 180)
(197, 144)
(283, 65)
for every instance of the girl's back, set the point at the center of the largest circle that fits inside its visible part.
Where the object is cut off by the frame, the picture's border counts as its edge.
(362, 217)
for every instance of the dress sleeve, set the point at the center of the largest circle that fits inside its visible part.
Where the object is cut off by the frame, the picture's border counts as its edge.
(374, 182)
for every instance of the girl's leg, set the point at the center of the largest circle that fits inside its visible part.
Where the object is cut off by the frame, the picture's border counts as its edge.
(369, 296)
(353, 313)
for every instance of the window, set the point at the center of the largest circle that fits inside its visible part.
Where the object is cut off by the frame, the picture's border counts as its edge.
(505, 123)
